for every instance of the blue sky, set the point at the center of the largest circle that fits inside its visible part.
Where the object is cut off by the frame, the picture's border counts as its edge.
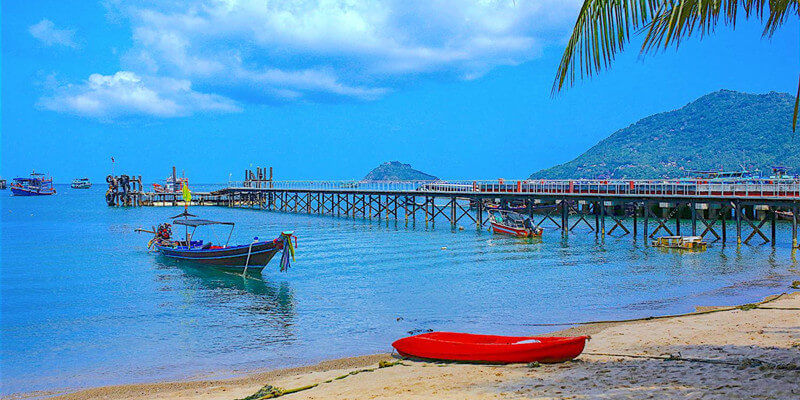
(325, 90)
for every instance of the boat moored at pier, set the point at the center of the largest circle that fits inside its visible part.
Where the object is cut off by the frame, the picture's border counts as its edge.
(681, 242)
(513, 224)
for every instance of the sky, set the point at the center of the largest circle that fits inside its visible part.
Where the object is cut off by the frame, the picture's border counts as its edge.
(330, 89)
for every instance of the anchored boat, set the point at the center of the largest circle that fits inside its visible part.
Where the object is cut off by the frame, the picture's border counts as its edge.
(81, 183)
(681, 242)
(246, 257)
(452, 346)
(513, 224)
(36, 185)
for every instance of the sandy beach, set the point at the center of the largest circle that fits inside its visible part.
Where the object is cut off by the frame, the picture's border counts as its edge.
(730, 352)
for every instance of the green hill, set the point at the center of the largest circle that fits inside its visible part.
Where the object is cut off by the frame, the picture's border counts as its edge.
(724, 129)
(397, 171)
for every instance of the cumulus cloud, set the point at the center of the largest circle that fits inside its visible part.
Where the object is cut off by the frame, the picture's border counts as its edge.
(46, 31)
(345, 48)
(126, 94)
(272, 52)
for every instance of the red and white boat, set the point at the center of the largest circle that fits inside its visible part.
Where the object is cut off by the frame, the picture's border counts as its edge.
(493, 349)
(513, 224)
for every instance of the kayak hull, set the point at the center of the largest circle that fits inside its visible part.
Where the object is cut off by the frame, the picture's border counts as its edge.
(465, 347)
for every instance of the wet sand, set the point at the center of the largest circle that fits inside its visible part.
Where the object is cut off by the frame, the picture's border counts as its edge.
(726, 353)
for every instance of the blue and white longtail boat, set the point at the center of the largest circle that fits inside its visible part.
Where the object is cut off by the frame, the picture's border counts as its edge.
(251, 257)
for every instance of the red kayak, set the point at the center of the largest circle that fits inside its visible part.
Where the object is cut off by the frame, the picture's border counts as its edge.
(453, 346)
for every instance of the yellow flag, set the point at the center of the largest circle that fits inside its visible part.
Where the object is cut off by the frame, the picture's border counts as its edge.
(187, 195)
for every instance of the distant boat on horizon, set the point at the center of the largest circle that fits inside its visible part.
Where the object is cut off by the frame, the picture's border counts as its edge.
(81, 183)
(36, 185)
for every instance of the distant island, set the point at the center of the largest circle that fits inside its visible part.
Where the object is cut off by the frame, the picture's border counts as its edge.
(397, 171)
(722, 130)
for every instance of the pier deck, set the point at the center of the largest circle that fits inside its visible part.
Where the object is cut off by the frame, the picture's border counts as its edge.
(631, 205)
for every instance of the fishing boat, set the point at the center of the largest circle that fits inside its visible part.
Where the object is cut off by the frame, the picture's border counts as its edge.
(513, 224)
(452, 346)
(171, 185)
(681, 242)
(81, 183)
(36, 185)
(245, 257)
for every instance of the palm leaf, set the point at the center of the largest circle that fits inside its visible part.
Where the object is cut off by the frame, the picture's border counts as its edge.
(604, 27)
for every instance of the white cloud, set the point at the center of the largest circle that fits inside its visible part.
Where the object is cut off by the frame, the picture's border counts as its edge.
(340, 48)
(264, 51)
(47, 33)
(125, 94)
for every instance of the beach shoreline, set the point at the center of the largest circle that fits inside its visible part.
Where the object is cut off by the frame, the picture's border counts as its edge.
(624, 358)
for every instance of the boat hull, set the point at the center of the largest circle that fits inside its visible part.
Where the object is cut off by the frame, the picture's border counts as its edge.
(235, 257)
(452, 346)
(18, 191)
(516, 232)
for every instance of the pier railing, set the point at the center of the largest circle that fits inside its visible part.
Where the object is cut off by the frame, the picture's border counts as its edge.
(749, 188)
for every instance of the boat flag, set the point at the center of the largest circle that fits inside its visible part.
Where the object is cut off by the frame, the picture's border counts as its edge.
(187, 195)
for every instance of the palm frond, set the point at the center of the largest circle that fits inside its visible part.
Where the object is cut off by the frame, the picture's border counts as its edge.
(604, 27)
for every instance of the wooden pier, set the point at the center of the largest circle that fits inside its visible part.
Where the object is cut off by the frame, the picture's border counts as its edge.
(640, 208)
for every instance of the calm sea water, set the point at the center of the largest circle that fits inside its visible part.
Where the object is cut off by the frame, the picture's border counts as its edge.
(84, 303)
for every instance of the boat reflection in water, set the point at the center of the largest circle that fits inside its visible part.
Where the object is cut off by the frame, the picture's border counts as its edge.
(268, 306)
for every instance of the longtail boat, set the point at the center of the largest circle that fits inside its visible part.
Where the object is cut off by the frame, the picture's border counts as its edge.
(513, 224)
(245, 257)
(452, 346)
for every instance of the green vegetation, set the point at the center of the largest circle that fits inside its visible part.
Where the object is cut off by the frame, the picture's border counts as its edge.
(721, 130)
(397, 171)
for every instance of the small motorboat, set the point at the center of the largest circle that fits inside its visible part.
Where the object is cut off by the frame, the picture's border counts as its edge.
(513, 224)
(681, 242)
(452, 346)
(36, 185)
(81, 183)
(246, 257)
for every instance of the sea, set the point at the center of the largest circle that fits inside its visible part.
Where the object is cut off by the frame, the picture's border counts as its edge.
(84, 303)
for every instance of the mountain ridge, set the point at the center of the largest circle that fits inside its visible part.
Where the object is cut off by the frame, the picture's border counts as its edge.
(721, 130)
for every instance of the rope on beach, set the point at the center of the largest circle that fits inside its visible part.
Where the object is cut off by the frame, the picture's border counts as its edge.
(271, 392)
(743, 307)
(744, 363)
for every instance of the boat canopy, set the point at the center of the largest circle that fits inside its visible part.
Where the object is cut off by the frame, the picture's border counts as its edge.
(199, 222)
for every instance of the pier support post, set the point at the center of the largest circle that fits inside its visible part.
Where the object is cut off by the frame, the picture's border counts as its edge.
(723, 214)
(479, 209)
(453, 211)
(602, 218)
(694, 218)
(738, 223)
(564, 217)
(773, 217)
(794, 227)
(646, 217)
(635, 214)
(596, 213)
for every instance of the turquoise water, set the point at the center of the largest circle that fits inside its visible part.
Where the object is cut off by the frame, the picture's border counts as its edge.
(85, 304)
